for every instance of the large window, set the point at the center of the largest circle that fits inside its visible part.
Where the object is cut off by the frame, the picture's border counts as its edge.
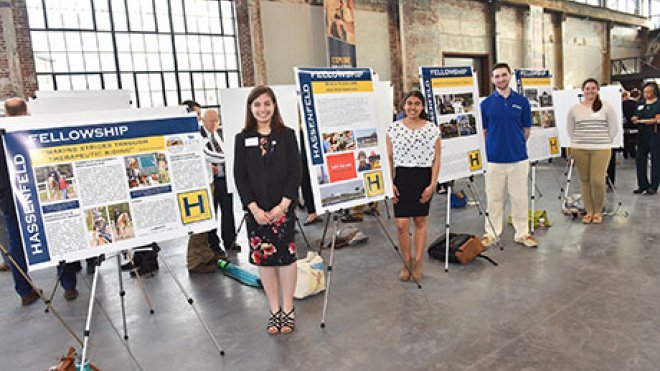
(163, 51)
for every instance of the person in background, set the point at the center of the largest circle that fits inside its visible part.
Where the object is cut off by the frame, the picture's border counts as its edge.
(268, 173)
(413, 148)
(507, 120)
(66, 273)
(647, 118)
(592, 126)
(630, 130)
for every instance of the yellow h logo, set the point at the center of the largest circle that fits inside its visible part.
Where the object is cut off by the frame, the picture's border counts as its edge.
(474, 158)
(554, 145)
(374, 183)
(194, 206)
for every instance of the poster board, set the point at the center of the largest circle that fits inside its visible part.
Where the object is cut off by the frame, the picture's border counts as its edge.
(346, 151)
(565, 99)
(55, 102)
(536, 86)
(86, 185)
(452, 103)
(233, 103)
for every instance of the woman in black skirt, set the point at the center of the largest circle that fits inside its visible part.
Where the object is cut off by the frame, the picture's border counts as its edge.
(267, 172)
(413, 146)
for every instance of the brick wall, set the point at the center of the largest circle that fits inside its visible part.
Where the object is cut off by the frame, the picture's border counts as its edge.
(17, 71)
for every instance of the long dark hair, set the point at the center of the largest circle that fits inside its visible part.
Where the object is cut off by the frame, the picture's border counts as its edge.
(276, 122)
(597, 104)
(420, 96)
(654, 86)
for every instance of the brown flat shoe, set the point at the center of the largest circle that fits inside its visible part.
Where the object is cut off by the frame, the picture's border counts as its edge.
(418, 269)
(587, 219)
(70, 294)
(405, 271)
(597, 219)
(4, 267)
(30, 298)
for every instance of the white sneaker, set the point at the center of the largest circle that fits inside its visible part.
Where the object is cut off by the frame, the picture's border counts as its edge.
(528, 241)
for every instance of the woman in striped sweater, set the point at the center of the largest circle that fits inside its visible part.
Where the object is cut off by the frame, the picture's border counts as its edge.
(592, 126)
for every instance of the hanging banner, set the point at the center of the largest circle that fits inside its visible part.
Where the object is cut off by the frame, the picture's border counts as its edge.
(84, 187)
(340, 32)
(535, 35)
(345, 149)
(536, 86)
(452, 103)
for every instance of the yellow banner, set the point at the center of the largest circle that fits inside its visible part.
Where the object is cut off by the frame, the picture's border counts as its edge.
(88, 151)
(452, 82)
(537, 81)
(332, 87)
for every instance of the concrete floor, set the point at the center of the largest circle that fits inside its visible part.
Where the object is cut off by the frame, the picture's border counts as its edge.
(587, 299)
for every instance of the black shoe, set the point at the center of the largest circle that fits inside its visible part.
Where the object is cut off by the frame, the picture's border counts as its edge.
(91, 265)
(651, 191)
(127, 267)
(639, 191)
(235, 248)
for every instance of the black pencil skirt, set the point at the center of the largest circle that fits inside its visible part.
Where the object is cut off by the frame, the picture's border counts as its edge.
(411, 182)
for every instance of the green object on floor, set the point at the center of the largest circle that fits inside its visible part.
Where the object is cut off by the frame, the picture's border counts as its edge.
(540, 219)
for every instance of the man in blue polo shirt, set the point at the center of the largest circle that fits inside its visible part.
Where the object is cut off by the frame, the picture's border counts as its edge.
(507, 120)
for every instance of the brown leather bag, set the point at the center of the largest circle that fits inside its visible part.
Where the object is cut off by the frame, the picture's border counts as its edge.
(68, 362)
(469, 250)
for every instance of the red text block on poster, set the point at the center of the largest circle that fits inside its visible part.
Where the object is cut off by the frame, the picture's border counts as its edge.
(341, 167)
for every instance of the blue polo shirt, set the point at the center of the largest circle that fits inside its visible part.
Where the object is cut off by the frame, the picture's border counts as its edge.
(505, 120)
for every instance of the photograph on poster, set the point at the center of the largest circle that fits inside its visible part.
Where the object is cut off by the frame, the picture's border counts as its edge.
(460, 126)
(532, 95)
(146, 170)
(548, 119)
(539, 97)
(338, 141)
(98, 226)
(174, 145)
(448, 104)
(536, 118)
(55, 183)
(321, 174)
(366, 137)
(121, 221)
(343, 192)
(368, 160)
(545, 97)
(341, 167)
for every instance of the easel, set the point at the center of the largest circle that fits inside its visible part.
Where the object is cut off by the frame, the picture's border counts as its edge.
(478, 200)
(618, 210)
(335, 216)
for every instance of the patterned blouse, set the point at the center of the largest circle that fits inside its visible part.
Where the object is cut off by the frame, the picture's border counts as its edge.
(413, 148)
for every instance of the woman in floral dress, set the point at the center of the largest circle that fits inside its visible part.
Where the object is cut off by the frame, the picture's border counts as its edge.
(267, 172)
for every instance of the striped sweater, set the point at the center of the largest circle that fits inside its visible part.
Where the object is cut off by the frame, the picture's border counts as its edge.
(592, 130)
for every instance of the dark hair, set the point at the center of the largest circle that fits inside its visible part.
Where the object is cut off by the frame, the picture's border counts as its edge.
(276, 122)
(15, 107)
(497, 66)
(191, 104)
(420, 96)
(654, 86)
(635, 93)
(597, 104)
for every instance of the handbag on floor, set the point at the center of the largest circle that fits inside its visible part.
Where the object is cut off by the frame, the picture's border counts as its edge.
(311, 279)
(68, 363)
(463, 248)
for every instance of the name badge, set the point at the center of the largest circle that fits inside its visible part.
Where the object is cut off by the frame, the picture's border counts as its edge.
(251, 142)
(640, 107)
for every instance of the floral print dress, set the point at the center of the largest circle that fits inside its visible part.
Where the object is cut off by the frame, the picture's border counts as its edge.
(271, 244)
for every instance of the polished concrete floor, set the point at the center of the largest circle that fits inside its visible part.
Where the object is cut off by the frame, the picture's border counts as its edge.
(587, 299)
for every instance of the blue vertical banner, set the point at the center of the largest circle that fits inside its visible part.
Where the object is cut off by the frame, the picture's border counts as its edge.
(340, 32)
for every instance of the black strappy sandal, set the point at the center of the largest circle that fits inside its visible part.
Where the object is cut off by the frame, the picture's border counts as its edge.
(288, 321)
(274, 323)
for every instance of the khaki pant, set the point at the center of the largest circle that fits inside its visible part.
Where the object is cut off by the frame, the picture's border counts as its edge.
(592, 167)
(511, 179)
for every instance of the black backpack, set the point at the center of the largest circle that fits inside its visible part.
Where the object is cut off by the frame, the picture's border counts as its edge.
(437, 248)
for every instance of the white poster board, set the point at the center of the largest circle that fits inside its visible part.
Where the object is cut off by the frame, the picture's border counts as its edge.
(536, 86)
(452, 103)
(566, 99)
(89, 184)
(233, 103)
(54, 102)
(346, 147)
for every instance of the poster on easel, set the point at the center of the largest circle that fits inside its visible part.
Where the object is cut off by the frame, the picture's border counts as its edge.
(536, 86)
(86, 185)
(346, 151)
(566, 99)
(452, 103)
